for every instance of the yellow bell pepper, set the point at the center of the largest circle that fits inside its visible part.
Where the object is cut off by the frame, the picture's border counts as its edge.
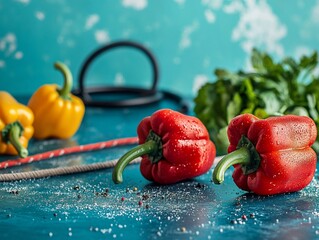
(15, 125)
(57, 113)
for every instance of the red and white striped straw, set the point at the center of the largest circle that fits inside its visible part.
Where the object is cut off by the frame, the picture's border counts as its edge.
(69, 150)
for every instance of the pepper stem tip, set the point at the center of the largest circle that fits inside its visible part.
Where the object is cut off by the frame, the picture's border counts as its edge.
(239, 156)
(23, 153)
(68, 80)
(11, 134)
(138, 151)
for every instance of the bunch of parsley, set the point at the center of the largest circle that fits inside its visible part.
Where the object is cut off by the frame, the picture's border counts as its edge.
(271, 88)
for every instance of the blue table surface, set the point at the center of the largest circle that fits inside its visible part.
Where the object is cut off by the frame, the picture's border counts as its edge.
(90, 206)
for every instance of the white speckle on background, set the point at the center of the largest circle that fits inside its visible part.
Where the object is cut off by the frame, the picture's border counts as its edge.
(102, 36)
(8, 43)
(23, 1)
(70, 43)
(213, 4)
(259, 26)
(186, 40)
(91, 21)
(210, 16)
(2, 44)
(206, 62)
(12, 44)
(46, 57)
(60, 39)
(199, 81)
(10, 37)
(315, 13)
(127, 33)
(233, 7)
(180, 2)
(18, 55)
(136, 4)
(119, 79)
(40, 15)
(176, 60)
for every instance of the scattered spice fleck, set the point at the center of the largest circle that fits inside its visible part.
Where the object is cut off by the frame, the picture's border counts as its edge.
(183, 229)
(103, 194)
(145, 197)
(233, 221)
(199, 185)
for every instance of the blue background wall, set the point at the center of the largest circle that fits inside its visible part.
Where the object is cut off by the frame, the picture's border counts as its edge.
(189, 38)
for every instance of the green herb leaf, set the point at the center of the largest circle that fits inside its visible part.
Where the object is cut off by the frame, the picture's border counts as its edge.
(272, 88)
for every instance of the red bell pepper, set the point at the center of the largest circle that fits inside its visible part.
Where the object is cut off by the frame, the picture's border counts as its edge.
(270, 156)
(173, 146)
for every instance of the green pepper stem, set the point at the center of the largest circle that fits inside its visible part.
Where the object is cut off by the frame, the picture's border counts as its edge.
(146, 148)
(68, 80)
(14, 135)
(239, 156)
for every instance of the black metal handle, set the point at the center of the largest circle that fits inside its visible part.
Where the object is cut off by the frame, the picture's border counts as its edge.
(145, 96)
(142, 96)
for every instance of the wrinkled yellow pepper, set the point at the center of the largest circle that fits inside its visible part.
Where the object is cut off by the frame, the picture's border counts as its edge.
(15, 125)
(57, 113)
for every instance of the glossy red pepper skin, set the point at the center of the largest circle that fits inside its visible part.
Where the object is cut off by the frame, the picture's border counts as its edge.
(287, 161)
(181, 148)
(187, 149)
